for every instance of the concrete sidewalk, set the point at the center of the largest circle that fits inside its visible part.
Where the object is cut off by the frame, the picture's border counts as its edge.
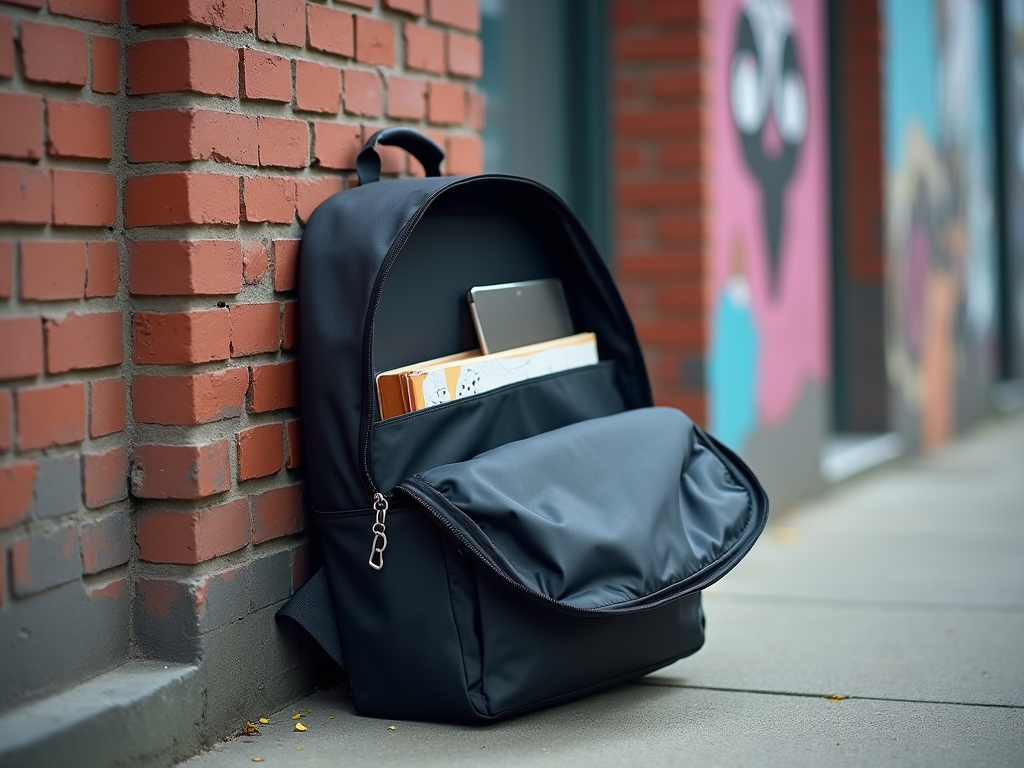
(902, 592)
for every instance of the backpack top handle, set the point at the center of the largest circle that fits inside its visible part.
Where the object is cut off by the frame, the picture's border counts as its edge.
(415, 143)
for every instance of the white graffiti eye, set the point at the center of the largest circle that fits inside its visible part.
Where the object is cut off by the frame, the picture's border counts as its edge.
(745, 93)
(791, 107)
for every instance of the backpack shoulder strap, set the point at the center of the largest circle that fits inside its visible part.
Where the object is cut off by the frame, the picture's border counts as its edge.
(311, 609)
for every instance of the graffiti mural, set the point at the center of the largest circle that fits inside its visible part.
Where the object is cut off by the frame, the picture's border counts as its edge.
(768, 356)
(1013, 80)
(940, 213)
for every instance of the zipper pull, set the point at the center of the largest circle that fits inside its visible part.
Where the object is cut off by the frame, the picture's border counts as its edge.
(380, 539)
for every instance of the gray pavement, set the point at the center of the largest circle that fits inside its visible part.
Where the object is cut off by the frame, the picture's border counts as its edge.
(902, 591)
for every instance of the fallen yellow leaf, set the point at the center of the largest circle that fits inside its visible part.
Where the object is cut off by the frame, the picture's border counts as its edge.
(296, 716)
(264, 721)
(300, 727)
(332, 716)
(392, 727)
(836, 697)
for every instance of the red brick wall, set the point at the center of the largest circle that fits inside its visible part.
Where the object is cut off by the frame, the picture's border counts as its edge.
(660, 134)
(155, 171)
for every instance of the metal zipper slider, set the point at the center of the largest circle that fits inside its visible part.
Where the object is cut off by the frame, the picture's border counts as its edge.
(380, 539)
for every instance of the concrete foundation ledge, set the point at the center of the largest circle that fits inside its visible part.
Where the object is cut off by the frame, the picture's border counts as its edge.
(143, 713)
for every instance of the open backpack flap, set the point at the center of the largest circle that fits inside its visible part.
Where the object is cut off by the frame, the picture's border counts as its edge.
(511, 549)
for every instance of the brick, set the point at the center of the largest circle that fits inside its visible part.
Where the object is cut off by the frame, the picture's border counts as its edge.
(666, 46)
(233, 16)
(58, 488)
(5, 421)
(407, 98)
(330, 30)
(50, 416)
(294, 428)
(103, 270)
(181, 337)
(180, 471)
(105, 477)
(260, 451)
(290, 325)
(269, 199)
(21, 347)
(336, 145)
(255, 328)
(254, 262)
(84, 198)
(375, 41)
(683, 84)
(106, 11)
(367, 4)
(447, 103)
(461, 14)
(286, 262)
(54, 54)
(193, 537)
(106, 542)
(42, 560)
(364, 94)
(662, 193)
(281, 21)
(657, 122)
(317, 87)
(265, 76)
(274, 386)
(6, 51)
(52, 270)
(26, 194)
(25, 3)
(6, 269)
(77, 342)
(465, 55)
(190, 400)
(412, 7)
(277, 513)
(465, 156)
(106, 406)
(313, 191)
(106, 65)
(184, 267)
(180, 135)
(187, 64)
(691, 155)
(16, 484)
(424, 48)
(21, 126)
(676, 227)
(283, 143)
(181, 198)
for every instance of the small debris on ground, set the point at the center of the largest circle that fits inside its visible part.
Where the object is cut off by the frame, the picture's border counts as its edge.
(836, 697)
(392, 727)
(296, 716)
(259, 759)
(264, 721)
(300, 727)
(250, 729)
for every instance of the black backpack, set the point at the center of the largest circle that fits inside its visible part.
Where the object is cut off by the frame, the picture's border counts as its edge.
(513, 549)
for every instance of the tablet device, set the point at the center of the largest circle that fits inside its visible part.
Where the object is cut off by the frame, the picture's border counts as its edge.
(513, 315)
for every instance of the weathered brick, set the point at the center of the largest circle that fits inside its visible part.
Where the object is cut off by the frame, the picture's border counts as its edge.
(77, 129)
(103, 271)
(266, 76)
(106, 542)
(105, 477)
(106, 406)
(181, 198)
(54, 54)
(181, 337)
(6, 269)
(188, 64)
(184, 267)
(180, 471)
(286, 258)
(254, 262)
(234, 16)
(21, 347)
(367, 4)
(52, 415)
(21, 126)
(283, 142)
(255, 328)
(375, 41)
(26, 194)
(188, 400)
(78, 341)
(260, 451)
(331, 30)
(424, 48)
(412, 7)
(179, 135)
(281, 21)
(6, 50)
(277, 513)
(465, 156)
(364, 94)
(16, 484)
(6, 441)
(447, 103)
(465, 55)
(106, 11)
(106, 64)
(290, 323)
(461, 14)
(274, 386)
(44, 559)
(313, 191)
(195, 536)
(269, 199)
(317, 87)
(84, 198)
(336, 145)
(407, 98)
(58, 486)
(294, 443)
(52, 270)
